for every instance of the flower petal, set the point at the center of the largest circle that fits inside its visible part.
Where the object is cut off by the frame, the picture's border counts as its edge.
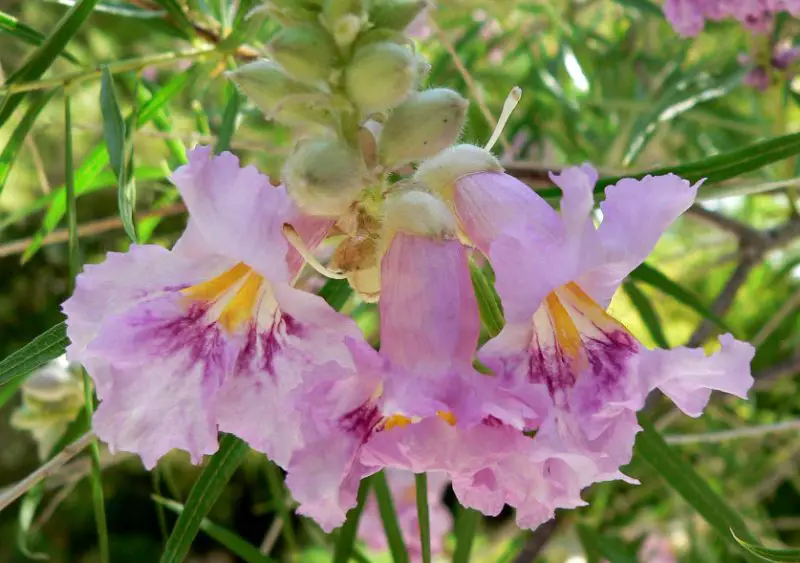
(429, 314)
(687, 375)
(237, 211)
(635, 215)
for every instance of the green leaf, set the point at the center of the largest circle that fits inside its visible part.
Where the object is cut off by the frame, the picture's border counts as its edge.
(41, 59)
(86, 174)
(767, 554)
(204, 494)
(238, 545)
(598, 546)
(349, 530)
(423, 516)
(27, 511)
(176, 13)
(644, 6)
(391, 527)
(12, 26)
(681, 476)
(228, 125)
(121, 10)
(488, 301)
(336, 293)
(647, 313)
(650, 275)
(118, 144)
(17, 139)
(46, 347)
(465, 530)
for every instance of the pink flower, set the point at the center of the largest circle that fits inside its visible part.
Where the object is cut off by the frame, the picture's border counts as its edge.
(405, 504)
(210, 335)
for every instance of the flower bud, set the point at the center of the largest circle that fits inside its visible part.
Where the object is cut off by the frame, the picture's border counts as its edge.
(380, 76)
(267, 85)
(323, 176)
(395, 14)
(419, 213)
(344, 19)
(306, 52)
(426, 123)
(440, 172)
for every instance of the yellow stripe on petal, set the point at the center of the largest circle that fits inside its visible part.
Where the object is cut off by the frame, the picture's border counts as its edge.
(396, 420)
(240, 309)
(447, 416)
(212, 289)
(566, 333)
(591, 310)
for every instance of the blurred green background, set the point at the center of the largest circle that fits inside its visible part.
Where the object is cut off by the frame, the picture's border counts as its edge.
(607, 82)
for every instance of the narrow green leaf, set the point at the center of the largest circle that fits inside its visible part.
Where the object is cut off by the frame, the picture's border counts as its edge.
(336, 293)
(238, 545)
(117, 138)
(466, 528)
(423, 516)
(681, 476)
(121, 10)
(27, 511)
(646, 312)
(229, 117)
(204, 494)
(44, 348)
(767, 554)
(349, 530)
(391, 527)
(644, 6)
(17, 139)
(9, 390)
(176, 13)
(488, 301)
(11, 25)
(86, 174)
(650, 275)
(41, 58)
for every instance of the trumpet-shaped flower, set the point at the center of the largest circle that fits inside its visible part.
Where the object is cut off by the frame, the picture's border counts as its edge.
(210, 335)
(555, 276)
(403, 489)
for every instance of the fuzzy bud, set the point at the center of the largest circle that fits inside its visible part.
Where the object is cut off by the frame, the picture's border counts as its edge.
(380, 76)
(419, 213)
(267, 85)
(306, 52)
(344, 19)
(440, 172)
(323, 176)
(290, 12)
(395, 14)
(426, 123)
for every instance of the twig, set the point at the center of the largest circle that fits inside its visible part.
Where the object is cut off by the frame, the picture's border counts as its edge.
(15, 491)
(538, 540)
(774, 322)
(87, 229)
(271, 536)
(735, 434)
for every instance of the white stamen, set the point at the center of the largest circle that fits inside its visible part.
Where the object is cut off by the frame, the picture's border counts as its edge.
(508, 108)
(300, 246)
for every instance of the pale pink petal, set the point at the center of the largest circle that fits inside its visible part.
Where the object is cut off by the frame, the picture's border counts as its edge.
(237, 211)
(687, 375)
(686, 16)
(488, 202)
(429, 314)
(635, 215)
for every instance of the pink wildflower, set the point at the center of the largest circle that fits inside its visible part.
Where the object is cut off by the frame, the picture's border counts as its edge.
(689, 16)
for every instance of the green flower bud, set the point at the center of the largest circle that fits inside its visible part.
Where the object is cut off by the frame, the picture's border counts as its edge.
(380, 76)
(324, 176)
(306, 52)
(395, 14)
(426, 123)
(440, 172)
(344, 19)
(419, 212)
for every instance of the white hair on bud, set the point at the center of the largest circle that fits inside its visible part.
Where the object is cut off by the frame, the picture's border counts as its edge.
(419, 213)
(440, 172)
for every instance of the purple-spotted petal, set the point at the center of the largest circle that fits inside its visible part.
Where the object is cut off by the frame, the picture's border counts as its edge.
(236, 210)
(687, 376)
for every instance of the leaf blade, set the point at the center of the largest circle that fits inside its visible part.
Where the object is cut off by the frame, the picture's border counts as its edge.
(44, 348)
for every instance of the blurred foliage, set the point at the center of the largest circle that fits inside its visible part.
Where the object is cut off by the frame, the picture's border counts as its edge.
(607, 82)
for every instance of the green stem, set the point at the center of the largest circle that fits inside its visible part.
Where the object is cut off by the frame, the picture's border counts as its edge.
(113, 67)
(74, 267)
(466, 526)
(421, 480)
(391, 527)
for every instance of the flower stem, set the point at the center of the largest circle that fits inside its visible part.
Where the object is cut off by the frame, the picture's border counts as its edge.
(394, 536)
(423, 517)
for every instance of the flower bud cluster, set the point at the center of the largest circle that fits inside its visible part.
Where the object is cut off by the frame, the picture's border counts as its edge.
(345, 77)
